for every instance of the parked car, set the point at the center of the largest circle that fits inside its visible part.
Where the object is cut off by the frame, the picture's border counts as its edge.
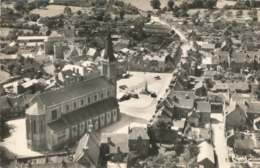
(126, 75)
(134, 95)
(157, 77)
(153, 95)
(125, 97)
(123, 87)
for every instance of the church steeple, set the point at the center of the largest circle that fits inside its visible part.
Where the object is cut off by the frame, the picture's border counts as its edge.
(109, 53)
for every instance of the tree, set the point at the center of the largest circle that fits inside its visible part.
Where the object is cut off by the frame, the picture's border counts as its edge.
(67, 11)
(210, 4)
(79, 12)
(19, 6)
(155, 4)
(31, 6)
(184, 6)
(122, 14)
(170, 5)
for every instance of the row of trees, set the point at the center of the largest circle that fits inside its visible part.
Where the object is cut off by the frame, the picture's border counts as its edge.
(26, 7)
(209, 4)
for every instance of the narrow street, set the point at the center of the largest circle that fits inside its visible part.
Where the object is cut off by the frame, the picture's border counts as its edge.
(219, 140)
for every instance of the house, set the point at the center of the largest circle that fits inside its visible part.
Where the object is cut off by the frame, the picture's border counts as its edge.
(180, 103)
(204, 110)
(12, 106)
(235, 116)
(92, 54)
(62, 116)
(139, 140)
(178, 125)
(193, 118)
(244, 146)
(200, 89)
(49, 69)
(252, 109)
(88, 149)
(155, 28)
(206, 156)
(114, 145)
(154, 63)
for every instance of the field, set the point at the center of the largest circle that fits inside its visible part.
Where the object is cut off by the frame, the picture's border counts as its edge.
(53, 10)
(4, 31)
(4, 75)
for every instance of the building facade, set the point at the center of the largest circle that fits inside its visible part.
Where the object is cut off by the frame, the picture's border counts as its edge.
(62, 116)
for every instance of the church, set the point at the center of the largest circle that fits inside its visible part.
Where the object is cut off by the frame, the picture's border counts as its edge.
(62, 116)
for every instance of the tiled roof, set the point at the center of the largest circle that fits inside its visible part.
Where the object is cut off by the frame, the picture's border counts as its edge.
(74, 91)
(84, 114)
(203, 107)
(117, 140)
(138, 132)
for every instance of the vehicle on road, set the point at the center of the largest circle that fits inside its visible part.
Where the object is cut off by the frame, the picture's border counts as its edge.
(123, 87)
(134, 95)
(153, 95)
(125, 97)
(157, 77)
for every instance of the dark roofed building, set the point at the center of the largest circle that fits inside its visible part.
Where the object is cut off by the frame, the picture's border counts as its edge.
(139, 140)
(244, 146)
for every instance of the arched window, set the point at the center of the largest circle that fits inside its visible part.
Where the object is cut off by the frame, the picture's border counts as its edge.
(34, 126)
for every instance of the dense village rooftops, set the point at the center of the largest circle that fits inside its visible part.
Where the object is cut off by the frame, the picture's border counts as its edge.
(88, 148)
(137, 132)
(115, 142)
(206, 151)
(76, 90)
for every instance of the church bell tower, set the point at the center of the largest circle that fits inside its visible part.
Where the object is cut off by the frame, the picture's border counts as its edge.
(108, 61)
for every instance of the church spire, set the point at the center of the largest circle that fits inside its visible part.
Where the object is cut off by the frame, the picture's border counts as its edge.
(109, 53)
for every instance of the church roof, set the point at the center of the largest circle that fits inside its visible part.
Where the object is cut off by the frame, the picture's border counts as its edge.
(84, 114)
(74, 91)
(109, 53)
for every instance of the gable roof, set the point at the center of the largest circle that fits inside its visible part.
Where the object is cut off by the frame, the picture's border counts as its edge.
(91, 141)
(206, 151)
(137, 132)
(74, 91)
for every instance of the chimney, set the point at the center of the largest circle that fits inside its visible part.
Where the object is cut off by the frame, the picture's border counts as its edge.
(187, 96)
(74, 70)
